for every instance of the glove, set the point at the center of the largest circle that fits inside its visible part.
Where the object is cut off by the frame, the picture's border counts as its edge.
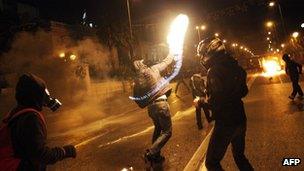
(70, 151)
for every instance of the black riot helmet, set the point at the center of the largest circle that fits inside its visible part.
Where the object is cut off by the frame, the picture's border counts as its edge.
(208, 49)
(31, 91)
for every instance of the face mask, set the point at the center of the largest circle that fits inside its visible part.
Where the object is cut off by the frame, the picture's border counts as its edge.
(50, 102)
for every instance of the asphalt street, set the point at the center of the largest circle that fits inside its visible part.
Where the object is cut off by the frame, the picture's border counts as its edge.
(114, 134)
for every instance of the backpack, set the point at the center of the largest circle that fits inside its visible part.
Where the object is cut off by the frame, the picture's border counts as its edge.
(8, 162)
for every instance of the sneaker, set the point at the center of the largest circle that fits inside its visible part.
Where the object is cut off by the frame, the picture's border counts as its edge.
(291, 97)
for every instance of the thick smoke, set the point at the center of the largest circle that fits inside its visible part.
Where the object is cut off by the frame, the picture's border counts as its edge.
(37, 53)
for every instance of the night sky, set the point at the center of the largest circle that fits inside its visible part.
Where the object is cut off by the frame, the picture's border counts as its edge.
(243, 26)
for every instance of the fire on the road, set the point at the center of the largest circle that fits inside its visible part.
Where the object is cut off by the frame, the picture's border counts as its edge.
(271, 68)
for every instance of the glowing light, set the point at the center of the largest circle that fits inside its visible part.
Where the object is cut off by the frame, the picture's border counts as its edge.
(61, 55)
(175, 40)
(224, 41)
(282, 45)
(197, 27)
(268, 38)
(241, 47)
(269, 24)
(269, 33)
(271, 4)
(72, 57)
(302, 25)
(216, 34)
(271, 68)
(295, 34)
(203, 27)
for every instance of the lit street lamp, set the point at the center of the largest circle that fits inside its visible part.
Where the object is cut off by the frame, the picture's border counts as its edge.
(295, 34)
(269, 24)
(272, 4)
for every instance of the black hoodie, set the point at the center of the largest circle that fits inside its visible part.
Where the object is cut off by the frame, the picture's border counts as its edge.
(226, 86)
(28, 133)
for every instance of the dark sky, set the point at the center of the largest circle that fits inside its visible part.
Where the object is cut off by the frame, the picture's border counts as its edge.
(244, 26)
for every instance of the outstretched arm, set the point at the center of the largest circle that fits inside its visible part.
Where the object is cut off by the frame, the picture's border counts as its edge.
(163, 64)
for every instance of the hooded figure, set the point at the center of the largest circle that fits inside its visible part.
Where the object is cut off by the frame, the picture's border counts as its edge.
(293, 69)
(150, 91)
(226, 86)
(27, 133)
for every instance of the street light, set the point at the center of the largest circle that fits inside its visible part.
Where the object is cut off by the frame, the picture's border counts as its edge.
(302, 25)
(216, 35)
(282, 45)
(268, 38)
(295, 34)
(269, 33)
(271, 4)
(224, 41)
(269, 24)
(203, 27)
(129, 17)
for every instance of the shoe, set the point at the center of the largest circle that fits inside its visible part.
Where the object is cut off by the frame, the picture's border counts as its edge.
(291, 97)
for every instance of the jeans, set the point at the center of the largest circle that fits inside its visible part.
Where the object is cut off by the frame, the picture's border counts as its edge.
(160, 114)
(221, 137)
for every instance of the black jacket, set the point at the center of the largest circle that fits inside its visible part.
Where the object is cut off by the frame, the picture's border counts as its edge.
(226, 86)
(293, 69)
(28, 133)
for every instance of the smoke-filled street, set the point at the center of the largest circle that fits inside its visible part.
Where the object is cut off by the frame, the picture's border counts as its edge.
(113, 138)
(128, 85)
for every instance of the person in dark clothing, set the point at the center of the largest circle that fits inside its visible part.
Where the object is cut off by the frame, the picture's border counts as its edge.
(147, 85)
(226, 86)
(293, 69)
(198, 88)
(181, 80)
(27, 126)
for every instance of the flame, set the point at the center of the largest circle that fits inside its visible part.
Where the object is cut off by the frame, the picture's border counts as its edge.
(271, 68)
(175, 40)
(176, 36)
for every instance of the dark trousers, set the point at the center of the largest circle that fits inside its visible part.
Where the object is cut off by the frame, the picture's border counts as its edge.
(221, 137)
(296, 87)
(198, 112)
(160, 114)
(181, 81)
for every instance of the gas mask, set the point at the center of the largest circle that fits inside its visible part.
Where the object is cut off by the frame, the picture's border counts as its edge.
(50, 102)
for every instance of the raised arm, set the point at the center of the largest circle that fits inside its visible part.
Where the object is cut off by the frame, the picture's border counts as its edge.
(163, 64)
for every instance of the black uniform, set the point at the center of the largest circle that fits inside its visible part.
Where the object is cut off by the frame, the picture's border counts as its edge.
(293, 69)
(226, 86)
